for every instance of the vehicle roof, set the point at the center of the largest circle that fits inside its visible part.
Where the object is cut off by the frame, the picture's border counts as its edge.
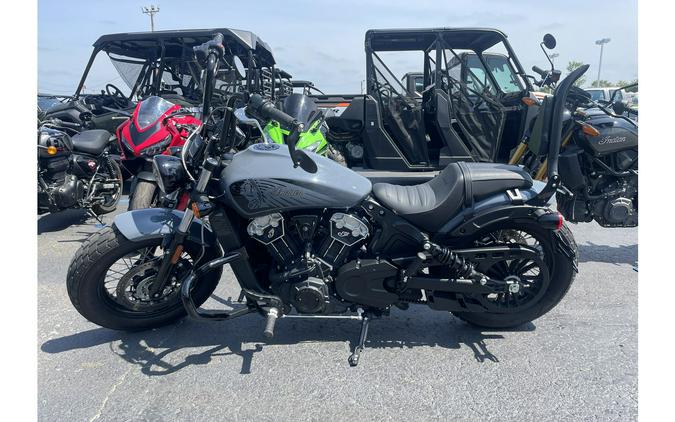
(602, 88)
(146, 44)
(477, 39)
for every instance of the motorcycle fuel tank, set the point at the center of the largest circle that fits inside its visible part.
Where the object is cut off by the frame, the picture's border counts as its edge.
(616, 134)
(261, 180)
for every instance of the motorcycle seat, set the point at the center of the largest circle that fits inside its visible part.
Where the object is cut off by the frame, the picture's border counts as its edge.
(431, 204)
(91, 141)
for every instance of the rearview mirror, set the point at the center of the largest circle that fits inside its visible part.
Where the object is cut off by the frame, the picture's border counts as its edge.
(549, 41)
(239, 67)
(241, 115)
(619, 107)
(304, 161)
(243, 118)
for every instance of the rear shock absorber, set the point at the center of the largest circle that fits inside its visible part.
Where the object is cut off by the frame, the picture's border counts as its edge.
(456, 263)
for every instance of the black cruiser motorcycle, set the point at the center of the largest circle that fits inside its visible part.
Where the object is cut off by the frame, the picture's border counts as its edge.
(76, 171)
(307, 237)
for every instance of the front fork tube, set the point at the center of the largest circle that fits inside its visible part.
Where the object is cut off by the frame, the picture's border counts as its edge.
(175, 242)
(543, 169)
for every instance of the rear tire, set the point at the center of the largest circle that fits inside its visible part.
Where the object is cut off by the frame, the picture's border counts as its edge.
(87, 290)
(562, 271)
(144, 195)
(114, 171)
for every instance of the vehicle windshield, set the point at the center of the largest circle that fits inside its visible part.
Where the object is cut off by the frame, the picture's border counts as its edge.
(597, 94)
(150, 110)
(128, 69)
(499, 67)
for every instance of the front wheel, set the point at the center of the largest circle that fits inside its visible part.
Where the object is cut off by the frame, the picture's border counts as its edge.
(109, 277)
(539, 293)
(145, 195)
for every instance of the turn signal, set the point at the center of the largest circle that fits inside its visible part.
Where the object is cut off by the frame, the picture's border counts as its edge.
(529, 101)
(589, 130)
(195, 209)
(51, 150)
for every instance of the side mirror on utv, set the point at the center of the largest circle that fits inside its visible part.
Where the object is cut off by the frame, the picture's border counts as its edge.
(549, 41)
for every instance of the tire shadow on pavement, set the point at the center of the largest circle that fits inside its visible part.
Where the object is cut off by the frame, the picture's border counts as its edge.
(61, 220)
(169, 349)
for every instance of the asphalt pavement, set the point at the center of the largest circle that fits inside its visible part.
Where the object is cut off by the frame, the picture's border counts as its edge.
(578, 362)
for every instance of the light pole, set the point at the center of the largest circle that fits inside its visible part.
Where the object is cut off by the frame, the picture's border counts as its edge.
(151, 11)
(601, 43)
(553, 56)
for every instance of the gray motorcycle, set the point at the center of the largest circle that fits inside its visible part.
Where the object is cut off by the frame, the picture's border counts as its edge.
(307, 237)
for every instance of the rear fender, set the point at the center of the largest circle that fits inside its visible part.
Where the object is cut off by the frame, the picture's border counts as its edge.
(495, 209)
(151, 223)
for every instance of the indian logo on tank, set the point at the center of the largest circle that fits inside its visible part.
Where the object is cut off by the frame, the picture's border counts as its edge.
(612, 140)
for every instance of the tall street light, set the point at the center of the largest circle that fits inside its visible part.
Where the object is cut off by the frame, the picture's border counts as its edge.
(151, 11)
(601, 43)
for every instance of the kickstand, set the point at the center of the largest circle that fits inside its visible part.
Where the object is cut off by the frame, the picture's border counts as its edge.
(354, 358)
(242, 295)
(93, 214)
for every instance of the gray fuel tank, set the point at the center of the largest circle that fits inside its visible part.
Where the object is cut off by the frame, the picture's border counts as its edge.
(262, 179)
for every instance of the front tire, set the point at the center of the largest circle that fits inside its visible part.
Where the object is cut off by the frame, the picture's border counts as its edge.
(562, 271)
(144, 195)
(91, 295)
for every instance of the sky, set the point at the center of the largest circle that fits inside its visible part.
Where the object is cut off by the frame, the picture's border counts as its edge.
(323, 41)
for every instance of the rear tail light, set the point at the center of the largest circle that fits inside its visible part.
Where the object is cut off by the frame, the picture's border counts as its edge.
(552, 221)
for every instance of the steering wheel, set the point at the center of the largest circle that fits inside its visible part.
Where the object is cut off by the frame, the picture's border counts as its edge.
(118, 98)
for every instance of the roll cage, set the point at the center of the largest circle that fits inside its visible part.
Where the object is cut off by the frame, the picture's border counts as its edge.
(162, 62)
(460, 117)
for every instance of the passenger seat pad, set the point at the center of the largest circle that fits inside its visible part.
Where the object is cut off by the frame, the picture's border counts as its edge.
(91, 141)
(430, 205)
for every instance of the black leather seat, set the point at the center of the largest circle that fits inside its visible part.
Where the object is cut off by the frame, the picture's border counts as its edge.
(430, 205)
(91, 141)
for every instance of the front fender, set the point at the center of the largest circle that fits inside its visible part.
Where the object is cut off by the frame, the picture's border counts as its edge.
(149, 223)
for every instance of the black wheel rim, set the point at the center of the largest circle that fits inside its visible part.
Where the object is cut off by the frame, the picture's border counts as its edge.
(124, 287)
(532, 275)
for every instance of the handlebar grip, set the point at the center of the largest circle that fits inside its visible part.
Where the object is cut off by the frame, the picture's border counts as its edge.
(266, 110)
(215, 44)
(540, 71)
(272, 316)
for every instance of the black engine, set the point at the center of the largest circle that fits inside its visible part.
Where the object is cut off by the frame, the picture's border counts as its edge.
(308, 250)
(605, 188)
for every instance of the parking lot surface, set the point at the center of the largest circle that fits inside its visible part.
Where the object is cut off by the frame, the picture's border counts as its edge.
(578, 362)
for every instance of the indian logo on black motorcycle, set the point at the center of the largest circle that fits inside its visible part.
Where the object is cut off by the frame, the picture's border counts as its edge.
(612, 140)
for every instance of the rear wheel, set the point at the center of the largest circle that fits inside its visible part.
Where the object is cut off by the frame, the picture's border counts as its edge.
(542, 283)
(145, 195)
(109, 277)
(112, 197)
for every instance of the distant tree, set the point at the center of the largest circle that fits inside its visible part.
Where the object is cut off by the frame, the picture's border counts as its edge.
(571, 66)
(601, 84)
(635, 88)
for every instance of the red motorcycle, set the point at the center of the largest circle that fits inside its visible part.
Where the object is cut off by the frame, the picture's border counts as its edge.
(156, 126)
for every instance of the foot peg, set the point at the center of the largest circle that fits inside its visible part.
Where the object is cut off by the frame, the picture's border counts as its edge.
(354, 358)
(272, 316)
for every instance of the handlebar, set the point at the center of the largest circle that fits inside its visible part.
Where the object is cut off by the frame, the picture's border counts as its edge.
(215, 45)
(265, 109)
(539, 71)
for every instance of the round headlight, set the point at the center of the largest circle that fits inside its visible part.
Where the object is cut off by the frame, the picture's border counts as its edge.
(169, 172)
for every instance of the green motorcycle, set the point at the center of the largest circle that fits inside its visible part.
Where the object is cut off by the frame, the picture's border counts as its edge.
(313, 138)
